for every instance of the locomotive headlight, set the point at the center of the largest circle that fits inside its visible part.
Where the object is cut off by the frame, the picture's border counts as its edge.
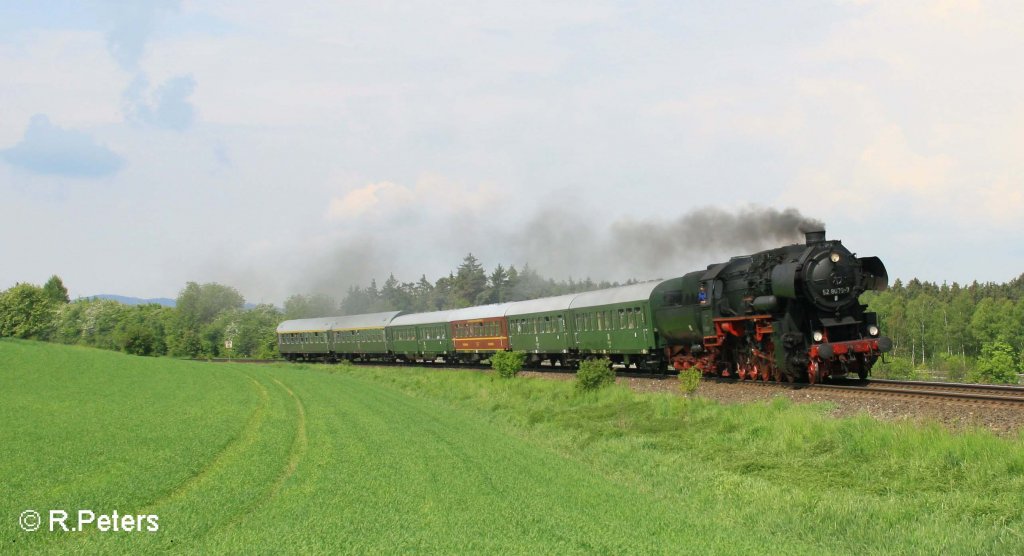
(818, 336)
(834, 257)
(873, 330)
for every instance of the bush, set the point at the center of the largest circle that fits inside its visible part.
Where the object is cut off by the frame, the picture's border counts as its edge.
(508, 363)
(594, 374)
(897, 368)
(689, 380)
(996, 365)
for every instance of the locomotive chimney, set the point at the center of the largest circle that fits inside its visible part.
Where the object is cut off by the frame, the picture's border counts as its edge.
(815, 236)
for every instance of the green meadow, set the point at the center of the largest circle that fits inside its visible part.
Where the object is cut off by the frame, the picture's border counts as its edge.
(326, 459)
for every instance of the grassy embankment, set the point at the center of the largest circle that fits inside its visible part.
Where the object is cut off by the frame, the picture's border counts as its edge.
(297, 458)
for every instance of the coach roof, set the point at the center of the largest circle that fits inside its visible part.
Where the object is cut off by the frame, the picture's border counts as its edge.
(372, 320)
(307, 325)
(480, 312)
(611, 296)
(421, 318)
(542, 305)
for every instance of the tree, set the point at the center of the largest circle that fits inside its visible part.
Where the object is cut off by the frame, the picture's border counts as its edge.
(55, 290)
(992, 320)
(395, 296)
(252, 332)
(470, 281)
(200, 304)
(423, 293)
(141, 329)
(197, 307)
(499, 285)
(304, 307)
(26, 312)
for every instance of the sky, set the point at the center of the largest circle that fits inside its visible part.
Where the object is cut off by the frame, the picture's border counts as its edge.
(303, 147)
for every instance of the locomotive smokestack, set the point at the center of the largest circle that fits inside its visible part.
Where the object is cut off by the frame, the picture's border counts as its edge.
(815, 236)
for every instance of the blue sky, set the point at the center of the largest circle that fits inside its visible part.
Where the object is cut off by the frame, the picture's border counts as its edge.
(286, 148)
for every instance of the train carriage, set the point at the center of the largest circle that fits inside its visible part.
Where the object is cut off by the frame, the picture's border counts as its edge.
(617, 322)
(424, 336)
(479, 331)
(542, 328)
(361, 336)
(305, 338)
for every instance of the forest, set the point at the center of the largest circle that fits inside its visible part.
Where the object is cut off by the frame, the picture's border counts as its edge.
(953, 332)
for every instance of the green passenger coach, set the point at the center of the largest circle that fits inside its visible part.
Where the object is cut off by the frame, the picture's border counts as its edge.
(305, 338)
(361, 336)
(421, 336)
(617, 322)
(542, 328)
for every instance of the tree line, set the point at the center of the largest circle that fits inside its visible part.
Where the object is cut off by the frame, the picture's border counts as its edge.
(971, 332)
(205, 317)
(212, 320)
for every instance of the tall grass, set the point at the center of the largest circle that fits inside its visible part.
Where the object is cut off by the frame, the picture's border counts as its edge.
(778, 468)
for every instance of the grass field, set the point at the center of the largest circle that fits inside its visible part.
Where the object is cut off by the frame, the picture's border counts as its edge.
(292, 458)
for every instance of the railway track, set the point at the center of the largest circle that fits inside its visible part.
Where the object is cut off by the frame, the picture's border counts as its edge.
(985, 393)
(953, 391)
(943, 390)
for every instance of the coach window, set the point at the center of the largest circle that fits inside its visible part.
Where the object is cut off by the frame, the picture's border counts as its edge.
(622, 319)
(632, 318)
(561, 323)
(639, 317)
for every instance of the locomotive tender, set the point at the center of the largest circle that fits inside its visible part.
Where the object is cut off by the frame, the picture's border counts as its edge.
(790, 313)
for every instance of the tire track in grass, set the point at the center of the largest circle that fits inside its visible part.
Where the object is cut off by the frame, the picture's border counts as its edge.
(228, 491)
(248, 436)
(184, 511)
(299, 446)
(296, 453)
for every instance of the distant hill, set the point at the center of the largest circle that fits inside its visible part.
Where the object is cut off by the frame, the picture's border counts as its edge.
(166, 302)
(132, 300)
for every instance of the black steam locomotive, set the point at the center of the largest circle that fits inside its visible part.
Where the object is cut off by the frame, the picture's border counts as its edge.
(790, 313)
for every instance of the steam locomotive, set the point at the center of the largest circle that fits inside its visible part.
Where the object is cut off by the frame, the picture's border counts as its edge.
(790, 313)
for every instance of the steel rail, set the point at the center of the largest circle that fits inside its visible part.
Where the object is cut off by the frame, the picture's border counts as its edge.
(923, 393)
(962, 385)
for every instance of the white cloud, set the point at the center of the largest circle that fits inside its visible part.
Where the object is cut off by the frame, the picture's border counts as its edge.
(374, 197)
(430, 194)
